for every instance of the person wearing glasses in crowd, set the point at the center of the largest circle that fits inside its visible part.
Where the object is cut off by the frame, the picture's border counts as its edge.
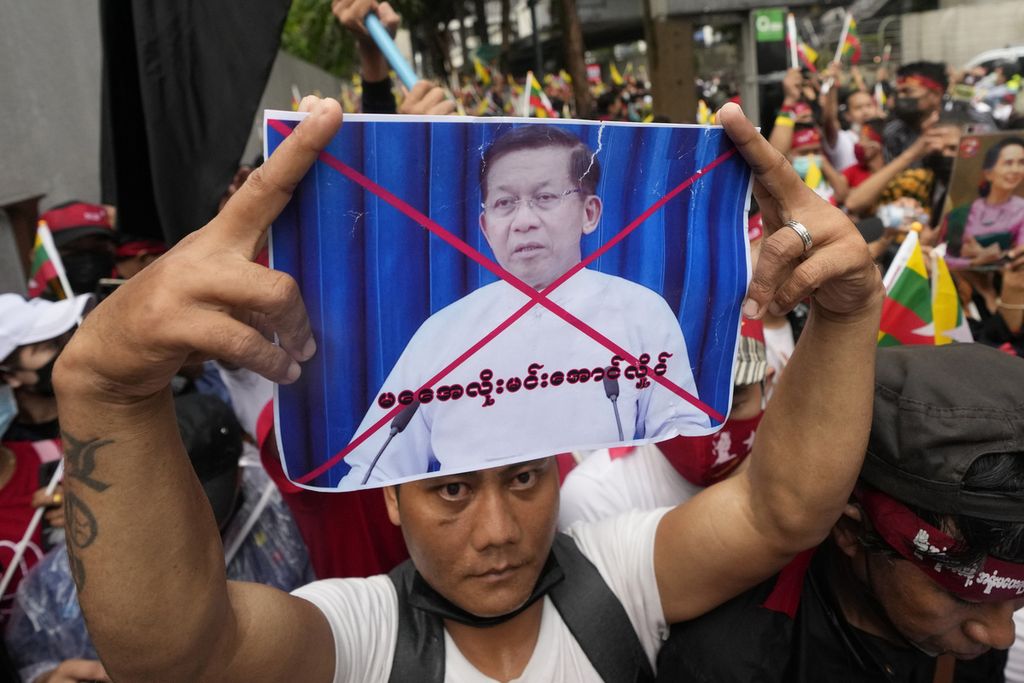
(539, 189)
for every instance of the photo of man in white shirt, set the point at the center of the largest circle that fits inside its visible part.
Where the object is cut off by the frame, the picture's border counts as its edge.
(539, 386)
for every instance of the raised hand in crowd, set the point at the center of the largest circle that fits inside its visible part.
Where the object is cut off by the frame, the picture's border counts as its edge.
(838, 343)
(426, 98)
(351, 14)
(54, 505)
(204, 299)
(75, 671)
(792, 87)
(933, 139)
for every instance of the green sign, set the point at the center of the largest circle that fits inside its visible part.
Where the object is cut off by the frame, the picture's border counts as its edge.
(770, 25)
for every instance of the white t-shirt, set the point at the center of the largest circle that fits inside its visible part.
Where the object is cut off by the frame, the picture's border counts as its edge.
(601, 486)
(362, 613)
(779, 346)
(465, 434)
(841, 156)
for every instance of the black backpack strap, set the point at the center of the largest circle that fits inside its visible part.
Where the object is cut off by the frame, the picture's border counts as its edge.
(419, 647)
(597, 619)
(589, 608)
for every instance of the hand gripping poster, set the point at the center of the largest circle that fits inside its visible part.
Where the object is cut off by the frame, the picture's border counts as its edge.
(489, 291)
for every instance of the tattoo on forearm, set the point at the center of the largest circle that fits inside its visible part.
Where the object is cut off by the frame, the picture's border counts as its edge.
(74, 562)
(81, 525)
(80, 460)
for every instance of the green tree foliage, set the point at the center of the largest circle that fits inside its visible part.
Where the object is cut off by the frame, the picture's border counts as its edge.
(312, 33)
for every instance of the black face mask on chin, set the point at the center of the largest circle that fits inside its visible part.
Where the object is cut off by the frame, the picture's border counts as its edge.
(907, 110)
(86, 268)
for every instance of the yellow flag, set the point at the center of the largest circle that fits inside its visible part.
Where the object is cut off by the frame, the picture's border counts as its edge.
(616, 76)
(814, 176)
(482, 74)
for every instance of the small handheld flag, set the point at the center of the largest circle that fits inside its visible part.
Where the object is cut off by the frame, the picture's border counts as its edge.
(907, 309)
(616, 76)
(535, 102)
(950, 322)
(46, 271)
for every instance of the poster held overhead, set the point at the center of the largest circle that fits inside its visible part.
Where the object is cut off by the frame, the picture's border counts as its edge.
(481, 279)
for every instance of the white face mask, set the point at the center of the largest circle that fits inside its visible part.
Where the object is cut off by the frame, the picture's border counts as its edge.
(8, 407)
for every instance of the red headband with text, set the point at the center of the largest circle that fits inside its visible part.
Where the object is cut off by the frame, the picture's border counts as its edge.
(77, 215)
(923, 81)
(806, 137)
(873, 134)
(992, 580)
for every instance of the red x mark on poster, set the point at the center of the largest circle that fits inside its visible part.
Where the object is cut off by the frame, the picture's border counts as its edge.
(535, 297)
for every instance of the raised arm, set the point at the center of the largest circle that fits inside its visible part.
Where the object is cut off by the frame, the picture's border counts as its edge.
(829, 102)
(811, 442)
(142, 542)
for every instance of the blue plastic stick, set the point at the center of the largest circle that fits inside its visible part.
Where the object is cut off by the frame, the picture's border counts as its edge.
(387, 46)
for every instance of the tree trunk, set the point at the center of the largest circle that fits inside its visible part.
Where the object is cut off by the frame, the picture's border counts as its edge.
(572, 33)
(506, 32)
(481, 21)
(460, 16)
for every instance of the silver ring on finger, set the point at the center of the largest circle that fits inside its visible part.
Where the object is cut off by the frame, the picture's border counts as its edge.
(802, 231)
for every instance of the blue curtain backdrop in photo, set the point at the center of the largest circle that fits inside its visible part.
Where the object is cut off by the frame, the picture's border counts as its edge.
(370, 275)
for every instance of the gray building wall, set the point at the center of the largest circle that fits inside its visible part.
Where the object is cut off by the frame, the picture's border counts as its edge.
(955, 34)
(50, 100)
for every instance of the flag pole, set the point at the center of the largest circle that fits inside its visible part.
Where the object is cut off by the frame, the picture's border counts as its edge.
(793, 38)
(19, 550)
(46, 237)
(527, 109)
(842, 38)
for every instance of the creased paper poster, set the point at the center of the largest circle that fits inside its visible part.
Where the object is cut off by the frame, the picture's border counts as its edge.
(489, 291)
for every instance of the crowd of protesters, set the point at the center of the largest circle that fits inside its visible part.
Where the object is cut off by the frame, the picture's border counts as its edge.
(788, 561)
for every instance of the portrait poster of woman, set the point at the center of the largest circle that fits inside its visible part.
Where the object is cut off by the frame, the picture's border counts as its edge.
(985, 216)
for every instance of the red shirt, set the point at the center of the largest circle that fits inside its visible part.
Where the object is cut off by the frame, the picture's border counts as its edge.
(856, 174)
(15, 514)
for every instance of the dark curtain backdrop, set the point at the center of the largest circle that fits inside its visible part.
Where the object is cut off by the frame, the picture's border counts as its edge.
(370, 276)
(181, 84)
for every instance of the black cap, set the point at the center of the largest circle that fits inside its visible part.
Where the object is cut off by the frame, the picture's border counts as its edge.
(213, 440)
(937, 410)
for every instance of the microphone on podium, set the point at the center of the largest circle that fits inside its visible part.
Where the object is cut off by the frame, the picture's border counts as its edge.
(611, 390)
(400, 422)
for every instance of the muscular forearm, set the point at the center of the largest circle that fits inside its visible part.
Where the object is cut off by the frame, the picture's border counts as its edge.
(811, 442)
(867, 194)
(142, 542)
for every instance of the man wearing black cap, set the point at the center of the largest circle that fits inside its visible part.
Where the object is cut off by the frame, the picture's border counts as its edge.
(928, 558)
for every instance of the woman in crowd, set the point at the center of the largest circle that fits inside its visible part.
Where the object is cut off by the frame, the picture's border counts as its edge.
(995, 220)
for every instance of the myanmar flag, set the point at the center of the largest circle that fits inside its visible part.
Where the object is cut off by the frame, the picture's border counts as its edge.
(851, 46)
(950, 323)
(482, 73)
(535, 101)
(45, 269)
(907, 310)
(807, 55)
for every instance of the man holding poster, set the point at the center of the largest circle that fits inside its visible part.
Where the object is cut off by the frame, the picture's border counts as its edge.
(538, 187)
(485, 571)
